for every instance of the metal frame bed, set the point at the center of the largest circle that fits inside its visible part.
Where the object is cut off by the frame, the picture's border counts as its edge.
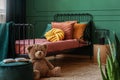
(26, 31)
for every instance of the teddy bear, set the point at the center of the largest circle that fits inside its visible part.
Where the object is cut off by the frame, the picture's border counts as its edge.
(41, 66)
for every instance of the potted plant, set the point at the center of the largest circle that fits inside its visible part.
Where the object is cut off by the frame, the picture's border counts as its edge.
(112, 66)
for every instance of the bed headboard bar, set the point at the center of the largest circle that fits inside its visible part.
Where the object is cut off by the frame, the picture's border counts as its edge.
(24, 31)
(79, 17)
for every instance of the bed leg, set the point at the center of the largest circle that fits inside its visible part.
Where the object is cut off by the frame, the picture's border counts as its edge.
(54, 57)
(90, 57)
(91, 52)
(54, 60)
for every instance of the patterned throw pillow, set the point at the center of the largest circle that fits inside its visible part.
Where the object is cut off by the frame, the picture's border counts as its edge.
(67, 27)
(54, 35)
(79, 29)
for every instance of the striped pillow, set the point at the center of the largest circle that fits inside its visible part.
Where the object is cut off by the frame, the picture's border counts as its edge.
(67, 27)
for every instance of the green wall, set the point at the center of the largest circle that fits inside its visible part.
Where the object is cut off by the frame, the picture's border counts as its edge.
(106, 12)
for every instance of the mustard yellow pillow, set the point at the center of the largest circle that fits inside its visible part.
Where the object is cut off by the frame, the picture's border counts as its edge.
(79, 30)
(54, 35)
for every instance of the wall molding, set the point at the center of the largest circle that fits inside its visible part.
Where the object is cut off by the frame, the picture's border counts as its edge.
(91, 9)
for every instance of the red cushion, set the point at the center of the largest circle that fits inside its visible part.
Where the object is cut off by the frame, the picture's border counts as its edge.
(67, 27)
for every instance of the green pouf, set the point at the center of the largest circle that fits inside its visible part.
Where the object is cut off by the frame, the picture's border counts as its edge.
(16, 71)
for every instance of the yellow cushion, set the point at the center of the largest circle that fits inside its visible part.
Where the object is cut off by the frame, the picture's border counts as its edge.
(54, 35)
(79, 30)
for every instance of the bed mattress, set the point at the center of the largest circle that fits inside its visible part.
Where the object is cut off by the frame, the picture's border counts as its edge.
(52, 46)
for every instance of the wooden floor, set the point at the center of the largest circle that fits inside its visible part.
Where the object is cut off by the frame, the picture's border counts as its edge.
(75, 67)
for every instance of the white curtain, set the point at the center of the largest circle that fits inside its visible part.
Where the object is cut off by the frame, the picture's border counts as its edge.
(2, 11)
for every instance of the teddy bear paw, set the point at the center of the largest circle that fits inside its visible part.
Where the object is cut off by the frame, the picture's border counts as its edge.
(57, 71)
(36, 74)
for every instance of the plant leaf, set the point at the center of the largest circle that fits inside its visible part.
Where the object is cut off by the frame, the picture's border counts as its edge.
(112, 49)
(109, 67)
(117, 48)
(112, 68)
(100, 65)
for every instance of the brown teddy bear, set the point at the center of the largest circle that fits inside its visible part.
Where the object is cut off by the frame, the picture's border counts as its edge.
(41, 66)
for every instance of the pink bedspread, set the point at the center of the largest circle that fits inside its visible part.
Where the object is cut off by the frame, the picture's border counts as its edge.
(52, 46)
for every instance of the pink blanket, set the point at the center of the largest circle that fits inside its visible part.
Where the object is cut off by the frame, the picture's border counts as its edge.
(52, 46)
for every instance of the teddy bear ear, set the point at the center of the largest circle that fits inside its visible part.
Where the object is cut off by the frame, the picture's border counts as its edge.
(29, 48)
(44, 46)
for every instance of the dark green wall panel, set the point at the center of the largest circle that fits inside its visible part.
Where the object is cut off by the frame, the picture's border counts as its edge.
(57, 5)
(106, 12)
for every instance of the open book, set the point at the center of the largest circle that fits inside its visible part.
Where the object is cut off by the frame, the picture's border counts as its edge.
(9, 60)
